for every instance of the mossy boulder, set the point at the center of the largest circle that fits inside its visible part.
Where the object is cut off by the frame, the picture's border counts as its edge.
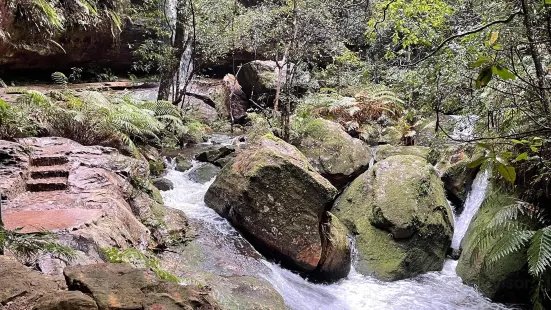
(332, 152)
(183, 164)
(204, 173)
(387, 150)
(273, 195)
(259, 78)
(375, 134)
(508, 279)
(398, 211)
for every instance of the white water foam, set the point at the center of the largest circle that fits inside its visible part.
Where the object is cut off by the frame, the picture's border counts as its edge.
(434, 290)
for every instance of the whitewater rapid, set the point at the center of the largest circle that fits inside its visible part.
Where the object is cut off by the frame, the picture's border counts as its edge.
(434, 290)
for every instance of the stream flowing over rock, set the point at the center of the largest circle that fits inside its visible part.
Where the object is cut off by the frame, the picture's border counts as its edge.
(399, 212)
(272, 194)
(333, 152)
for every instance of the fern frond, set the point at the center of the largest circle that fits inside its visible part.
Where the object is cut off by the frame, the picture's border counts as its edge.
(539, 252)
(506, 244)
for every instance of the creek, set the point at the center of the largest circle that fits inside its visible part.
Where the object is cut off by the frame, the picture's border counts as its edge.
(434, 290)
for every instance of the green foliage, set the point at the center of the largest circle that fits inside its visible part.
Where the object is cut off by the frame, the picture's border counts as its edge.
(28, 246)
(14, 122)
(59, 78)
(518, 227)
(139, 260)
(92, 118)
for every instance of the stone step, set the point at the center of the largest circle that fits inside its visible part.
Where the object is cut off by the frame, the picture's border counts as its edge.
(49, 160)
(46, 185)
(43, 172)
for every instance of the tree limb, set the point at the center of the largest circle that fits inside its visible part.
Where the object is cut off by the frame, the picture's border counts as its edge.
(459, 35)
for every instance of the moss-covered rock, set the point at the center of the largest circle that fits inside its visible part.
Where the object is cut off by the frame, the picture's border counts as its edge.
(183, 164)
(332, 152)
(375, 134)
(385, 151)
(273, 195)
(508, 279)
(398, 211)
(259, 79)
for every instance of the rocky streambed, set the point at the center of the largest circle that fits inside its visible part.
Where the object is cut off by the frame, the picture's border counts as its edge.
(337, 225)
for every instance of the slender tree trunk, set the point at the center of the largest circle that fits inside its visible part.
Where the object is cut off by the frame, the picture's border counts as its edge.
(286, 115)
(534, 52)
(178, 46)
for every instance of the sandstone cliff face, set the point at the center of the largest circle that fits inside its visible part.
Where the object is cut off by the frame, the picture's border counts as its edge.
(29, 41)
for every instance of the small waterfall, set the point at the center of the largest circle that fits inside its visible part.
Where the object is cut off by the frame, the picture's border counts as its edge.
(464, 126)
(472, 204)
(434, 290)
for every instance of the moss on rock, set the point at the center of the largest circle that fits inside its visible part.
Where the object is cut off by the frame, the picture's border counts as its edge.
(398, 211)
(332, 152)
(273, 195)
(508, 279)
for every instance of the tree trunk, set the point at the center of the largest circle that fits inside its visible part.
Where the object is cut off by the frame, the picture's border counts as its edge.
(534, 52)
(286, 115)
(178, 48)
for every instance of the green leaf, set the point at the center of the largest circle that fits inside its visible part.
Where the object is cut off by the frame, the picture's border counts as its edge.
(497, 47)
(539, 252)
(523, 156)
(484, 77)
(507, 172)
(482, 60)
(533, 148)
(477, 162)
(503, 73)
(493, 37)
(484, 146)
(515, 141)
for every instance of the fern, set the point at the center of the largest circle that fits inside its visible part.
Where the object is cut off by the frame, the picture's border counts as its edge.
(539, 252)
(59, 78)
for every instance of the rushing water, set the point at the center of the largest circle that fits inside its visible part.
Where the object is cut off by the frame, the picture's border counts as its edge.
(472, 204)
(434, 290)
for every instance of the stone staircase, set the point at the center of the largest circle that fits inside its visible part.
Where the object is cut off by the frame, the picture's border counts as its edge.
(48, 173)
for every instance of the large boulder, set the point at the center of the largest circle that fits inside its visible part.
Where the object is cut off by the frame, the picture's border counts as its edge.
(332, 152)
(336, 259)
(458, 179)
(387, 150)
(273, 195)
(398, 211)
(259, 79)
(507, 280)
(121, 286)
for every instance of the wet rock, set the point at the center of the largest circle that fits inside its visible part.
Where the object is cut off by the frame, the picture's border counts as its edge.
(458, 180)
(204, 173)
(121, 286)
(332, 152)
(163, 184)
(66, 300)
(272, 194)
(214, 155)
(183, 164)
(336, 259)
(398, 210)
(508, 280)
